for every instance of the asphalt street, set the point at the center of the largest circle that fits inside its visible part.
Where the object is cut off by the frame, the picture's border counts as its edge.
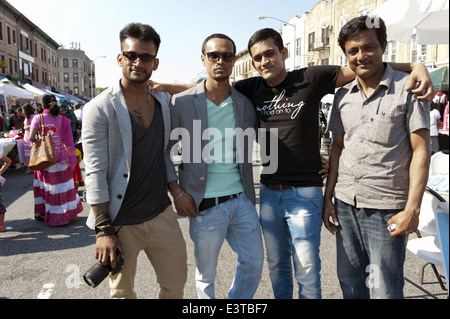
(42, 262)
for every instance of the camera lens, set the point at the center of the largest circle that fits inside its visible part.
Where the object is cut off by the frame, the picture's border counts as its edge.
(94, 276)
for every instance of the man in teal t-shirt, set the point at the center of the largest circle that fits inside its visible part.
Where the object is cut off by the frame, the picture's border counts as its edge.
(216, 187)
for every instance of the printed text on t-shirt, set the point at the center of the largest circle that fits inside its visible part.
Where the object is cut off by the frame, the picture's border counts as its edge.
(277, 106)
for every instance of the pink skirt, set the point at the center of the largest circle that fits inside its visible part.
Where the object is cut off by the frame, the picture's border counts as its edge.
(56, 199)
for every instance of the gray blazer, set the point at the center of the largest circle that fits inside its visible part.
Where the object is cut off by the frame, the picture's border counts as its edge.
(190, 106)
(107, 145)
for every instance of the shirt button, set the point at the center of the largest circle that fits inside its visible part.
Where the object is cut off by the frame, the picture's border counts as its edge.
(202, 178)
(125, 175)
(119, 196)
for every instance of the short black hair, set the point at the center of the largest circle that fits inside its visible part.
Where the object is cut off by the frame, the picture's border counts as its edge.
(265, 34)
(361, 24)
(142, 32)
(220, 36)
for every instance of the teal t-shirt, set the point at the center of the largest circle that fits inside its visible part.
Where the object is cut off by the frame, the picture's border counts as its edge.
(224, 177)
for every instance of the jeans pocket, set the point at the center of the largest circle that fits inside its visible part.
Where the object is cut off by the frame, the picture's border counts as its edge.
(309, 194)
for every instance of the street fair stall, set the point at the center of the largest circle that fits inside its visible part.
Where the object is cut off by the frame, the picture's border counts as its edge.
(9, 94)
(11, 140)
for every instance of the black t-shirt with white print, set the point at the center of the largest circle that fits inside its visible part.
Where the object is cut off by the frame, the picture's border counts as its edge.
(293, 108)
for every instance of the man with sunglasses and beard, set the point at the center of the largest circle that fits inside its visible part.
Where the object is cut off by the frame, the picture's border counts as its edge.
(216, 190)
(125, 132)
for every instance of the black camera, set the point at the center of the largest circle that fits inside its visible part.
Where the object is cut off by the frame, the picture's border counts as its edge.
(97, 273)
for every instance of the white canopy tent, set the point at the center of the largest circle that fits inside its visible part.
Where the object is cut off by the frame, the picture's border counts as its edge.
(34, 90)
(8, 90)
(428, 19)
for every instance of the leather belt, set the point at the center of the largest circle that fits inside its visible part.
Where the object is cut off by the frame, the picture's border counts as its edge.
(278, 187)
(207, 203)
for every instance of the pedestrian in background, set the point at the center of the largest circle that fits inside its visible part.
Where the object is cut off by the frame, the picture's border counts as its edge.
(6, 162)
(56, 200)
(435, 123)
(28, 112)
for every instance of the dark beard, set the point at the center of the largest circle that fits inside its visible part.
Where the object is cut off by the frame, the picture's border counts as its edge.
(138, 80)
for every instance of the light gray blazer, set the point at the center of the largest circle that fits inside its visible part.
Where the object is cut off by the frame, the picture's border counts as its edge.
(189, 106)
(107, 145)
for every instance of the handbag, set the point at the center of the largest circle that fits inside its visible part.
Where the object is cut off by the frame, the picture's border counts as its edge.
(42, 154)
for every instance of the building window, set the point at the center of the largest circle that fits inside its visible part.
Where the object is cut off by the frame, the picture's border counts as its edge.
(288, 47)
(8, 33)
(75, 63)
(65, 63)
(298, 47)
(325, 36)
(75, 77)
(391, 52)
(414, 48)
(311, 40)
(343, 21)
(342, 60)
(66, 77)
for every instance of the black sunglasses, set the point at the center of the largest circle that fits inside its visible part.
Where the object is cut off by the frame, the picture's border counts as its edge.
(133, 56)
(215, 56)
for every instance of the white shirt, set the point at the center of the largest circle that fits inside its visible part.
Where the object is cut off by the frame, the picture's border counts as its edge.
(79, 114)
(434, 116)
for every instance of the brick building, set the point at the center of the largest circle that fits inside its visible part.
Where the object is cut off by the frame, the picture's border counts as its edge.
(27, 53)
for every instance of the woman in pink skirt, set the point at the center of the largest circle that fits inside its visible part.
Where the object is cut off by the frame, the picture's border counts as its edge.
(56, 199)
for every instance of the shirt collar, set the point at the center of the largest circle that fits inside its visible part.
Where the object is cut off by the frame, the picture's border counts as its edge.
(386, 80)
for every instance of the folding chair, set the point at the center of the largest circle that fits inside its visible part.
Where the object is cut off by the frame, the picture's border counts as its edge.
(433, 220)
(439, 163)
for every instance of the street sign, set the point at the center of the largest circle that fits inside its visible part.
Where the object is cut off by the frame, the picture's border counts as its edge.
(3, 64)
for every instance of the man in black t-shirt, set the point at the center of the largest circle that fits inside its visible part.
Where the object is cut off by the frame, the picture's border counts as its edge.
(291, 198)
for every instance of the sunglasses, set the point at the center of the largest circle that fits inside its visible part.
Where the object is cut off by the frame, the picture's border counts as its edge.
(215, 56)
(133, 56)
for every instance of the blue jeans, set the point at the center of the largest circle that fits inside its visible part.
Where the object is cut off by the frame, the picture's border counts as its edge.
(291, 221)
(236, 221)
(368, 258)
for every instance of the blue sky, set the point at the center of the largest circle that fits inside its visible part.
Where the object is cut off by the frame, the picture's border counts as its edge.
(182, 25)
